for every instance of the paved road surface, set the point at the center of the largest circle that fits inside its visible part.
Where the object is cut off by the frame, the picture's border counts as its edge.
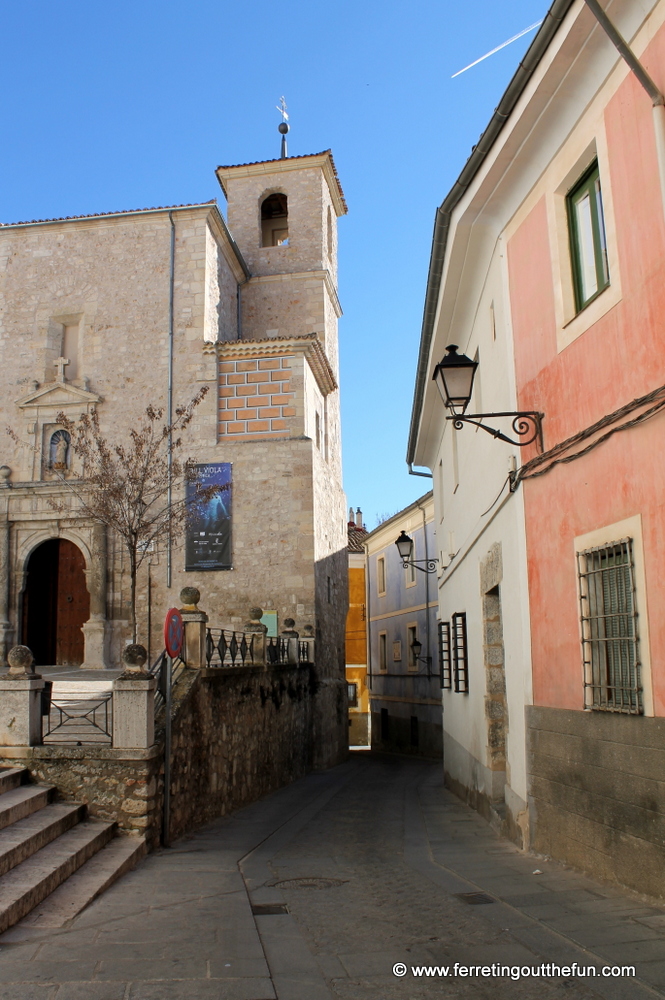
(366, 866)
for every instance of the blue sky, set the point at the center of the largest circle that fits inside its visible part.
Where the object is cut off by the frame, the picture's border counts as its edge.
(133, 104)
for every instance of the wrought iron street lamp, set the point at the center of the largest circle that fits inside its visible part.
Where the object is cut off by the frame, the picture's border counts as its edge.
(454, 377)
(405, 548)
(416, 647)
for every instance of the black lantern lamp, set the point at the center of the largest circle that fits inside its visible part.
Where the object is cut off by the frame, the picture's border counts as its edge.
(454, 376)
(416, 648)
(405, 548)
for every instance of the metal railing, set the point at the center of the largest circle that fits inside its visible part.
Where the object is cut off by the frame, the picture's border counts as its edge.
(158, 670)
(227, 648)
(79, 721)
(279, 650)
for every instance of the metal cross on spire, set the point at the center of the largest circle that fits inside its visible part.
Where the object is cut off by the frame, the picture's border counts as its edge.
(283, 126)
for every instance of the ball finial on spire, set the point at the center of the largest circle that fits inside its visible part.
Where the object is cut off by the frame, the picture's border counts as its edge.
(283, 126)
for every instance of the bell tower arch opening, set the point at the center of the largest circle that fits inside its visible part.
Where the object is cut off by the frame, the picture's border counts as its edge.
(56, 603)
(275, 220)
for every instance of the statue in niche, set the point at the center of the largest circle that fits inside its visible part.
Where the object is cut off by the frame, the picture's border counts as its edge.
(59, 451)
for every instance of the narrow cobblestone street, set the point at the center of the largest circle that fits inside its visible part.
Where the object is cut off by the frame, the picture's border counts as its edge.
(319, 890)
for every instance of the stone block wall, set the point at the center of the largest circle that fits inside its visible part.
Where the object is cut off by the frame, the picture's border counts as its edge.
(287, 305)
(304, 185)
(239, 734)
(125, 786)
(597, 793)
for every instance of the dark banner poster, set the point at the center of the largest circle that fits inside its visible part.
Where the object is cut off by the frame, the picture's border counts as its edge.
(208, 540)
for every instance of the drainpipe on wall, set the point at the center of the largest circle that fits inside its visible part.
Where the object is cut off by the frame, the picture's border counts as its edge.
(169, 405)
(657, 98)
(428, 647)
(367, 626)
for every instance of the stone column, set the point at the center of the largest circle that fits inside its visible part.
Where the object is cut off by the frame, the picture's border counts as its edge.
(134, 702)
(5, 626)
(21, 701)
(308, 637)
(292, 646)
(255, 626)
(195, 621)
(94, 630)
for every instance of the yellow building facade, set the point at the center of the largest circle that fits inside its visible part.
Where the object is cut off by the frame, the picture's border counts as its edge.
(356, 636)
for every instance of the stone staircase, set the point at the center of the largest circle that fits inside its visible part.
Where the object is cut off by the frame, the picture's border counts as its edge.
(54, 860)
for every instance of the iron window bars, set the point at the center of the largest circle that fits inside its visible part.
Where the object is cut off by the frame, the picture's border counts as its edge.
(588, 244)
(608, 616)
(460, 656)
(445, 671)
(453, 654)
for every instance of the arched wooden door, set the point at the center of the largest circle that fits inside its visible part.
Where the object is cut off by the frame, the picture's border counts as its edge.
(56, 603)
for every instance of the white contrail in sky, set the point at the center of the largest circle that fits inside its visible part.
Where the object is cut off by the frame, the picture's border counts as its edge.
(498, 48)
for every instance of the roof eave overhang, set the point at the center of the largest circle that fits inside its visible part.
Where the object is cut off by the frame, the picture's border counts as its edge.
(442, 221)
(322, 160)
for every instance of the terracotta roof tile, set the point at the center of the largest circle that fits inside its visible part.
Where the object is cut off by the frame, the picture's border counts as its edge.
(99, 215)
(303, 156)
(254, 163)
(356, 538)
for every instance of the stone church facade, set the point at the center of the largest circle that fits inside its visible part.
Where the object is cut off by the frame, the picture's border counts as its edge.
(101, 312)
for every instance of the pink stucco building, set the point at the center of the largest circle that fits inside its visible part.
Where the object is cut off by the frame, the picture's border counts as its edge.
(549, 270)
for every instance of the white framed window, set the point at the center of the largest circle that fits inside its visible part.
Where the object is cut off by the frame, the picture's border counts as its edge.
(381, 575)
(588, 242)
(411, 637)
(410, 569)
(383, 651)
(582, 231)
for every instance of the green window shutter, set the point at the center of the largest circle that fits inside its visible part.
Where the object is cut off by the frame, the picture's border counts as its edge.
(588, 243)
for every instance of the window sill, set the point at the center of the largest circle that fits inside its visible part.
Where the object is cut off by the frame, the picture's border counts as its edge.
(589, 315)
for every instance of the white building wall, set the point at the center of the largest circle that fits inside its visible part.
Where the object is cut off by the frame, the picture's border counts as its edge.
(475, 513)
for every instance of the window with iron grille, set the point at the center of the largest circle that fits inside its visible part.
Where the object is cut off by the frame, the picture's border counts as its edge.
(460, 655)
(445, 673)
(610, 644)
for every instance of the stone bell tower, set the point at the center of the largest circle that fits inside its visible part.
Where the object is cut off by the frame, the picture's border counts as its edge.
(283, 216)
(279, 390)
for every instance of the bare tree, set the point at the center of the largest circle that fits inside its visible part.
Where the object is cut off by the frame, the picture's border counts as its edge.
(137, 489)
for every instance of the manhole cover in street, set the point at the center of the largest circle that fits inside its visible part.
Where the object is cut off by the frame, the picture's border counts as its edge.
(309, 883)
(474, 898)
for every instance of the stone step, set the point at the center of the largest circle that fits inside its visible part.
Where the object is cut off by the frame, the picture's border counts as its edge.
(71, 692)
(25, 886)
(12, 777)
(119, 856)
(23, 838)
(20, 802)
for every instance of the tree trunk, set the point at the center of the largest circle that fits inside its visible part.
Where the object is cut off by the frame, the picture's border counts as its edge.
(132, 576)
